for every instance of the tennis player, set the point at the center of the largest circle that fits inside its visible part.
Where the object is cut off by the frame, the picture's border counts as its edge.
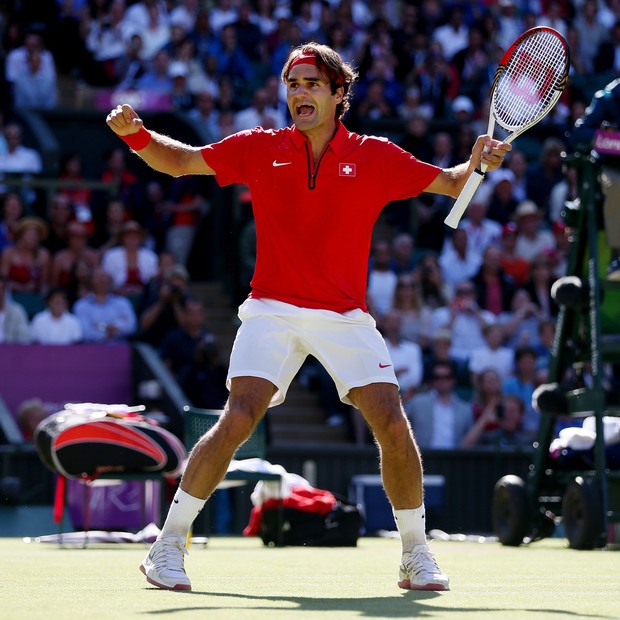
(317, 190)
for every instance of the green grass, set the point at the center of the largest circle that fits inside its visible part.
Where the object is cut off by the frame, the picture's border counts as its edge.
(239, 579)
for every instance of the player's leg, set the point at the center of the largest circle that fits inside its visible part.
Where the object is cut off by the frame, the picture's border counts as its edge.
(207, 465)
(401, 471)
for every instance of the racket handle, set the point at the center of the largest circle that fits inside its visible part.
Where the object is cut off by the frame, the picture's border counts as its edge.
(467, 193)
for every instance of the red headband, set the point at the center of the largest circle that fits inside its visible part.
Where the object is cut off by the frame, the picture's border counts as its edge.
(309, 58)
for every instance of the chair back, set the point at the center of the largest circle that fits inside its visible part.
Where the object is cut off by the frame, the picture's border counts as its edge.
(198, 421)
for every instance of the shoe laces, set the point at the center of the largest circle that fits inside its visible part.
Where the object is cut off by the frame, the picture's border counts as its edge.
(420, 561)
(166, 554)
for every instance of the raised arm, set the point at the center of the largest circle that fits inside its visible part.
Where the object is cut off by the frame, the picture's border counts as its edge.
(162, 153)
(450, 181)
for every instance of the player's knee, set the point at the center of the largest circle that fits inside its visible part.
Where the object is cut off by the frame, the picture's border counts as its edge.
(392, 428)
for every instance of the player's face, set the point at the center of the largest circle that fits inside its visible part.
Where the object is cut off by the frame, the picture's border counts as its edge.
(310, 100)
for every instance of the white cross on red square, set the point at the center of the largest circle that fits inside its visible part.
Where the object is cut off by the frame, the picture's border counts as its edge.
(346, 170)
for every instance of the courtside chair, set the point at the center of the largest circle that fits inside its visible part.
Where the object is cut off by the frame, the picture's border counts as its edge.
(198, 421)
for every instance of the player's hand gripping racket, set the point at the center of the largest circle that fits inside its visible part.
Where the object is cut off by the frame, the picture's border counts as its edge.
(528, 82)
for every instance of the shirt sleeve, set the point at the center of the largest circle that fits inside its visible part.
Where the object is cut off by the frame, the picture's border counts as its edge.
(229, 157)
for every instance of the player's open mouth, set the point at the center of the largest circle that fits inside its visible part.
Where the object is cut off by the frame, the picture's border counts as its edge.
(304, 110)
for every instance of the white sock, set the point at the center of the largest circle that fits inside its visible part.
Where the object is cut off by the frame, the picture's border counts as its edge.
(182, 513)
(411, 525)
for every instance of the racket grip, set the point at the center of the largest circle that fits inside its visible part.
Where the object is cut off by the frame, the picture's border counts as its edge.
(467, 193)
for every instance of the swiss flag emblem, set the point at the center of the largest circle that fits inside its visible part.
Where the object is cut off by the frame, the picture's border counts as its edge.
(346, 170)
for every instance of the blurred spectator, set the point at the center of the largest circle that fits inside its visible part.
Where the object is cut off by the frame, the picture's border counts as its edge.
(546, 336)
(59, 214)
(187, 206)
(509, 23)
(439, 351)
(19, 159)
(439, 418)
(185, 14)
(138, 15)
(192, 355)
(259, 114)
(513, 265)
(516, 162)
(443, 150)
(232, 61)
(17, 60)
(434, 78)
(508, 418)
(522, 384)
(161, 306)
(414, 316)
(406, 356)
(131, 66)
(157, 75)
(494, 288)
(56, 325)
(492, 354)
(181, 96)
(453, 35)
(14, 328)
(381, 279)
(562, 192)
(27, 263)
(436, 292)
(12, 210)
(487, 394)
(108, 233)
(416, 140)
(459, 261)
(481, 231)
(471, 64)
(105, 317)
(30, 413)
(156, 33)
(522, 322)
(206, 117)
(501, 201)
(544, 174)
(539, 285)
(202, 34)
(465, 320)
(80, 280)
(78, 196)
(403, 254)
(533, 238)
(222, 14)
(248, 33)
(131, 265)
(106, 36)
(35, 88)
(591, 30)
(63, 262)
(129, 189)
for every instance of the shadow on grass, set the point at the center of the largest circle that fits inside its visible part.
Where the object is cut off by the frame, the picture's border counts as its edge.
(409, 604)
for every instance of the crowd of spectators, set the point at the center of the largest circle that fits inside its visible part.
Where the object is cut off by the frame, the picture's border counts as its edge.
(451, 306)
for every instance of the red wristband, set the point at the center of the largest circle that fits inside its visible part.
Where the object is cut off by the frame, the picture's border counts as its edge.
(137, 141)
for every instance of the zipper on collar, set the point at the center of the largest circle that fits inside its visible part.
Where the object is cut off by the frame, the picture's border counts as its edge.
(313, 171)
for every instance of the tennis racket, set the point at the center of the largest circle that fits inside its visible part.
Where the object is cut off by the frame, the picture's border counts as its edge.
(528, 82)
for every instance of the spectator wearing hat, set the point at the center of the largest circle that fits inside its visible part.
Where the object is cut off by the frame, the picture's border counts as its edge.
(513, 265)
(14, 328)
(181, 95)
(131, 265)
(56, 325)
(462, 109)
(27, 263)
(532, 238)
(105, 316)
(63, 262)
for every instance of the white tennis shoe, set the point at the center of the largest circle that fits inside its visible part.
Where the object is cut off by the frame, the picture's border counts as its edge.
(163, 565)
(419, 571)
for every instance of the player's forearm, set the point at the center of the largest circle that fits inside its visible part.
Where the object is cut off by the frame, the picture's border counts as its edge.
(172, 157)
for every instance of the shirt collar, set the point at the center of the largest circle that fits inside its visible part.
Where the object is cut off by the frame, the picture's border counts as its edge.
(336, 143)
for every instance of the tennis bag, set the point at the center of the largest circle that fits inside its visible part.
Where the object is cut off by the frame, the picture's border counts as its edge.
(85, 440)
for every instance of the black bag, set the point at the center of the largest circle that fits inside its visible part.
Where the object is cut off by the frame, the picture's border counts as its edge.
(340, 527)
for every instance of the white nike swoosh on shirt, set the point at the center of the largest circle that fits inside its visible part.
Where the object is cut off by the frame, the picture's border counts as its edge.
(277, 163)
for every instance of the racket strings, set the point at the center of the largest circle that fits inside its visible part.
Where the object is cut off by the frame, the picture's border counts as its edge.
(531, 81)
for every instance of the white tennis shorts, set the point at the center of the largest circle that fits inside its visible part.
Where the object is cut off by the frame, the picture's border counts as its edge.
(275, 338)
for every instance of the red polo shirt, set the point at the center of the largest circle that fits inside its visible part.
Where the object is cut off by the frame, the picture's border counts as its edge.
(314, 222)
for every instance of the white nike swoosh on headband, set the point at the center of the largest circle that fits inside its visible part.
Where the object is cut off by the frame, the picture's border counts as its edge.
(277, 163)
